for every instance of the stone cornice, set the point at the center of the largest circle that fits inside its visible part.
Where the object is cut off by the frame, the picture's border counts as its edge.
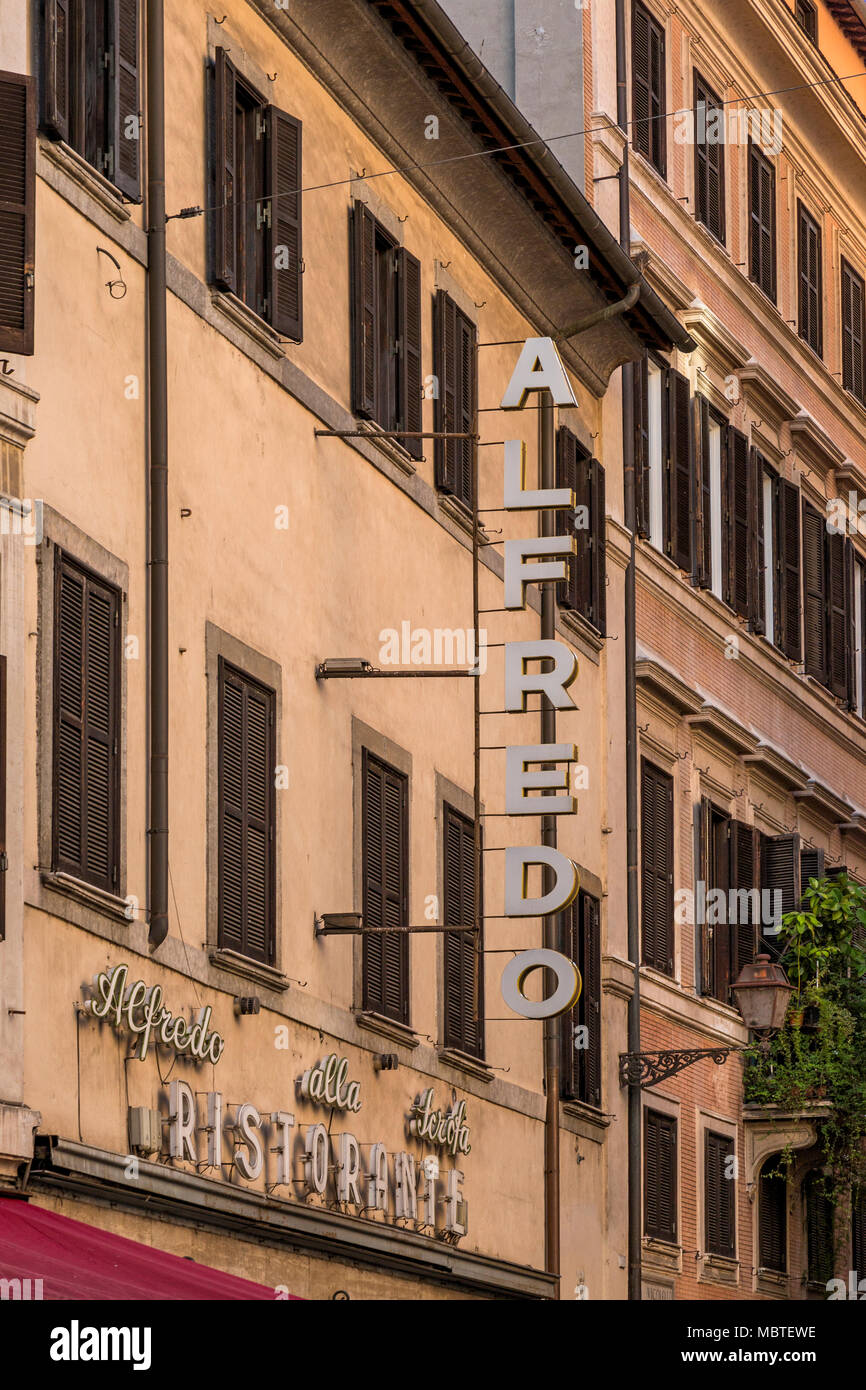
(761, 389)
(722, 728)
(725, 352)
(674, 291)
(660, 681)
(813, 443)
(775, 766)
(824, 802)
(17, 412)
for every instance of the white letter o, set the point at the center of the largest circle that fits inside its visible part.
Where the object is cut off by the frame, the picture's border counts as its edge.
(568, 983)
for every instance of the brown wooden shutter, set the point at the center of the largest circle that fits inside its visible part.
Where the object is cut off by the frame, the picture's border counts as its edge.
(759, 550)
(569, 1061)
(657, 833)
(590, 969)
(719, 1210)
(660, 1176)
(598, 543)
(762, 222)
(682, 466)
(285, 281)
(464, 1029)
(17, 211)
(709, 163)
(745, 852)
(811, 866)
(819, 1230)
(810, 279)
(364, 314)
(4, 861)
(86, 699)
(772, 1220)
(702, 826)
(853, 332)
(640, 74)
(445, 412)
(385, 848)
(815, 592)
(246, 761)
(702, 504)
(741, 535)
(839, 604)
(409, 333)
(226, 211)
(125, 98)
(780, 872)
(788, 566)
(858, 1234)
(640, 376)
(57, 42)
(572, 471)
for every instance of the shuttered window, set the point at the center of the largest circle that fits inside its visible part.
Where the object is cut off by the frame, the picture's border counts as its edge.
(815, 592)
(709, 159)
(91, 84)
(648, 87)
(680, 470)
(464, 982)
(858, 1235)
(853, 332)
(386, 329)
(811, 865)
(660, 1176)
(703, 507)
(810, 279)
(727, 859)
(246, 743)
(584, 591)
(657, 868)
(772, 1219)
(455, 354)
(741, 525)
(819, 1230)
(828, 606)
(86, 788)
(4, 862)
(17, 211)
(385, 857)
(780, 874)
(762, 222)
(806, 14)
(257, 224)
(581, 1028)
(640, 384)
(719, 1193)
(788, 567)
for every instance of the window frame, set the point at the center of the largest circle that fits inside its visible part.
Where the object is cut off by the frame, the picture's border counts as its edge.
(712, 102)
(668, 1233)
(765, 279)
(811, 333)
(781, 1198)
(806, 15)
(855, 362)
(727, 1187)
(451, 940)
(368, 1005)
(651, 770)
(654, 147)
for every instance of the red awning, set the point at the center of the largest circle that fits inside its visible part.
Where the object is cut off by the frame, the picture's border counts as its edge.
(77, 1261)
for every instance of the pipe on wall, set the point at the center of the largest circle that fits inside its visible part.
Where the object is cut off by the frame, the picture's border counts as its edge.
(157, 832)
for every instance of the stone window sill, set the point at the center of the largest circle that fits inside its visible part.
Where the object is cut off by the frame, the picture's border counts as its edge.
(89, 179)
(388, 1028)
(88, 894)
(662, 1255)
(582, 1111)
(233, 963)
(719, 1269)
(464, 1061)
(457, 511)
(582, 627)
(249, 322)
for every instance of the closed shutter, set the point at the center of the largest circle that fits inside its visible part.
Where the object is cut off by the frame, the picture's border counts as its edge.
(573, 471)
(839, 603)
(597, 537)
(246, 815)
(709, 160)
(225, 210)
(780, 873)
(853, 332)
(815, 592)
(125, 99)
(17, 211)
(702, 503)
(463, 986)
(640, 382)
(657, 834)
(570, 1056)
(819, 1231)
(57, 42)
(467, 355)
(3, 858)
(762, 222)
(648, 87)
(581, 1067)
(788, 566)
(744, 879)
(811, 866)
(660, 1176)
(86, 699)
(858, 1235)
(681, 464)
(285, 264)
(758, 603)
(810, 280)
(409, 334)
(455, 348)
(385, 850)
(772, 1220)
(364, 316)
(703, 822)
(719, 1210)
(741, 530)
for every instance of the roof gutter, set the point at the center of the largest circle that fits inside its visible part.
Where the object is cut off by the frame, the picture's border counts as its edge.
(598, 236)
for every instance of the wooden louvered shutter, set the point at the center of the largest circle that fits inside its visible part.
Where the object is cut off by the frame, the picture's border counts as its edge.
(597, 536)
(681, 465)
(226, 211)
(718, 1195)
(409, 334)
(125, 98)
(858, 1234)
(570, 1057)
(815, 592)
(810, 277)
(640, 377)
(4, 862)
(467, 357)
(709, 161)
(772, 1221)
(788, 566)
(246, 815)
(445, 412)
(364, 312)
(702, 827)
(17, 211)
(759, 550)
(780, 873)
(463, 976)
(819, 1231)
(658, 122)
(572, 471)
(744, 879)
(853, 332)
(741, 538)
(640, 72)
(702, 567)
(839, 603)
(762, 222)
(57, 43)
(811, 866)
(660, 1176)
(590, 968)
(285, 265)
(385, 827)
(657, 867)
(86, 697)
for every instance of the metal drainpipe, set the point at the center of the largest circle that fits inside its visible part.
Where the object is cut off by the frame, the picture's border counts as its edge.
(157, 885)
(634, 1094)
(551, 923)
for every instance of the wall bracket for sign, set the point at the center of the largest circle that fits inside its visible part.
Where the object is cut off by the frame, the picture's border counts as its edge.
(351, 924)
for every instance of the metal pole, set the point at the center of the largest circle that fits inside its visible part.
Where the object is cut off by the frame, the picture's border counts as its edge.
(547, 479)
(157, 884)
(476, 699)
(631, 800)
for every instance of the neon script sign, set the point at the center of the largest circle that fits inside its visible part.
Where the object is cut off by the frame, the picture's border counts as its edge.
(140, 1010)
